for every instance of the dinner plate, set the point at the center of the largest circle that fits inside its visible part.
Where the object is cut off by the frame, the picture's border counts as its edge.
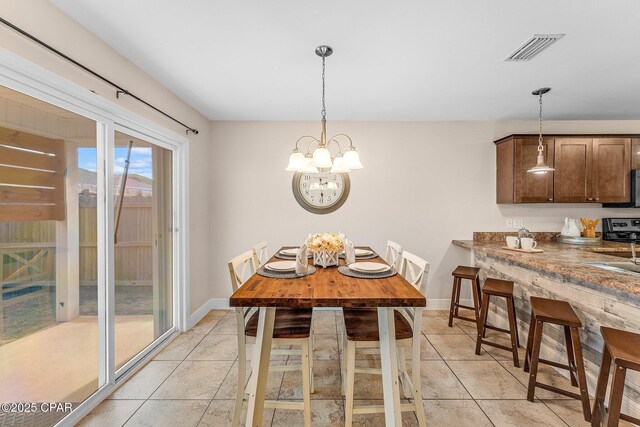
(281, 266)
(363, 252)
(290, 252)
(369, 267)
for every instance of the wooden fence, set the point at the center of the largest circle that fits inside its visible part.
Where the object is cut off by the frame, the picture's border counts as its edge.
(133, 253)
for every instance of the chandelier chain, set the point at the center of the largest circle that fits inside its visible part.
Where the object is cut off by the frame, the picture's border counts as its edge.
(324, 110)
(540, 147)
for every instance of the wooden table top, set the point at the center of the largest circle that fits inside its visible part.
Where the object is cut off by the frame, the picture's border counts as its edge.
(327, 288)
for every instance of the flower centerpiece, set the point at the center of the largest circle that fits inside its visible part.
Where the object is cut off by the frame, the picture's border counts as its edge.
(325, 248)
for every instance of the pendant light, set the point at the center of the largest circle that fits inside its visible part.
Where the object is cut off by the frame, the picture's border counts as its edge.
(321, 158)
(540, 167)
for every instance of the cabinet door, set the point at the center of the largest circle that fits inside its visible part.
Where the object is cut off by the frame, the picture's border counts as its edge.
(573, 175)
(635, 153)
(530, 187)
(504, 172)
(611, 170)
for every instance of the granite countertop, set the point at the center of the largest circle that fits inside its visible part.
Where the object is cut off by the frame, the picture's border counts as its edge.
(567, 261)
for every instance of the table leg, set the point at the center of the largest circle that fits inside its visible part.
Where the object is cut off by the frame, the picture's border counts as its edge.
(389, 364)
(260, 366)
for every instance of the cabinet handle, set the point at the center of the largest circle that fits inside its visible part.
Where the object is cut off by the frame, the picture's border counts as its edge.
(590, 199)
(597, 199)
(549, 200)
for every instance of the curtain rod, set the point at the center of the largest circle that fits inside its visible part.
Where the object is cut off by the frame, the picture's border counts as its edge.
(120, 89)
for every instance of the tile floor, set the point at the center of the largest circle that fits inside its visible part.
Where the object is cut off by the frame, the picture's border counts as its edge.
(192, 383)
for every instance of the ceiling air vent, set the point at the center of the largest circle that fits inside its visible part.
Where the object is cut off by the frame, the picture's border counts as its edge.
(534, 46)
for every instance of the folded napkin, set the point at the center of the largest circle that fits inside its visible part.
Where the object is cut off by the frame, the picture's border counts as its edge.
(302, 262)
(349, 252)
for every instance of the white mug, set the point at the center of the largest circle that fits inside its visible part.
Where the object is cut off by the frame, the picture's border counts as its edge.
(513, 242)
(528, 244)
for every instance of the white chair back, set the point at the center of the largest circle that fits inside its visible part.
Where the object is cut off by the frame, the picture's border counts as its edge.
(241, 268)
(261, 253)
(415, 270)
(393, 254)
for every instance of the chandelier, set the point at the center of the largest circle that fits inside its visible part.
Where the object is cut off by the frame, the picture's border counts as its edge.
(321, 158)
(540, 167)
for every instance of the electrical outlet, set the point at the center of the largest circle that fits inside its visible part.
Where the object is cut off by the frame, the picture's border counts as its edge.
(509, 223)
(518, 223)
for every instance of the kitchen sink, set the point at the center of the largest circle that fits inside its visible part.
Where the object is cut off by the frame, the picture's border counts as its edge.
(617, 266)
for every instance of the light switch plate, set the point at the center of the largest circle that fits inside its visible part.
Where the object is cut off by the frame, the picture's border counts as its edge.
(509, 223)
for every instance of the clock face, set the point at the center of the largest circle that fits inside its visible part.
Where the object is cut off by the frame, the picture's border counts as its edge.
(322, 192)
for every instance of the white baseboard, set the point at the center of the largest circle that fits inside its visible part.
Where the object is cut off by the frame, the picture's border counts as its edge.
(445, 303)
(212, 304)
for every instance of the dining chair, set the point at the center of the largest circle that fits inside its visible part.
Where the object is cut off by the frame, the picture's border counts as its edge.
(293, 327)
(360, 332)
(393, 254)
(261, 253)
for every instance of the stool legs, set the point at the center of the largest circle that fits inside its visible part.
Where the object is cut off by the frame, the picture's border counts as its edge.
(601, 389)
(570, 356)
(535, 355)
(455, 299)
(582, 377)
(615, 396)
(513, 329)
(527, 355)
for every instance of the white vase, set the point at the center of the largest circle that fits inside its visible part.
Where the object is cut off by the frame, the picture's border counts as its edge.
(325, 258)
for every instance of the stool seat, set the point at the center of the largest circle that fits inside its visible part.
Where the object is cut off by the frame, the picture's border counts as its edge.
(555, 311)
(289, 323)
(361, 324)
(466, 272)
(624, 347)
(503, 288)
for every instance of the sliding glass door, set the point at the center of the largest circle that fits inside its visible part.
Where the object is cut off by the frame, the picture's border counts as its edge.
(143, 250)
(49, 320)
(88, 253)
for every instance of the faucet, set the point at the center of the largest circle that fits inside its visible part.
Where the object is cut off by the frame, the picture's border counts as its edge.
(634, 258)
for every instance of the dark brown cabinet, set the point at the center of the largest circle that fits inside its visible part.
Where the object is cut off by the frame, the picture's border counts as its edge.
(573, 177)
(516, 155)
(588, 168)
(611, 170)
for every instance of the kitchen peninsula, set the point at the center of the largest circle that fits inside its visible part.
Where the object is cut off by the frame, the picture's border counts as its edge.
(600, 297)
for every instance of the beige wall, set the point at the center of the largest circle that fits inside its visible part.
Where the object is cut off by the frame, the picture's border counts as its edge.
(42, 19)
(424, 184)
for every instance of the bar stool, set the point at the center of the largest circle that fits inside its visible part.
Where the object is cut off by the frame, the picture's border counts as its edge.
(560, 313)
(504, 289)
(472, 274)
(624, 348)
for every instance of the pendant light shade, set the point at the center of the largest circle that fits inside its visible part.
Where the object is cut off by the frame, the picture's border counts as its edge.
(308, 165)
(352, 159)
(541, 167)
(339, 165)
(322, 158)
(297, 161)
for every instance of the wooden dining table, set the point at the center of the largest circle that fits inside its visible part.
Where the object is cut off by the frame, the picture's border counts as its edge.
(327, 287)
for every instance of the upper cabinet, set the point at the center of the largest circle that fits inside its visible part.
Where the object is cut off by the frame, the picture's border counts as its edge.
(588, 169)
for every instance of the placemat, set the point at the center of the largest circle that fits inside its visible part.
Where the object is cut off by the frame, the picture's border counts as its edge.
(288, 275)
(289, 257)
(372, 256)
(343, 269)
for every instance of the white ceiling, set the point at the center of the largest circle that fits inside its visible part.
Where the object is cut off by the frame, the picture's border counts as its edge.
(405, 60)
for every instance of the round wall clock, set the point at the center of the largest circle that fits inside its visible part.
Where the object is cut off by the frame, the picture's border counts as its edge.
(321, 193)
